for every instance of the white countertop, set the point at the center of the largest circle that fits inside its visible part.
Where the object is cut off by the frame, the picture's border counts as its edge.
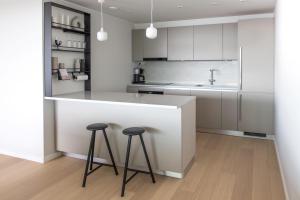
(191, 87)
(166, 101)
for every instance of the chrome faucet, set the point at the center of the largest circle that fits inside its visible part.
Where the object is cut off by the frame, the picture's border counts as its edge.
(212, 80)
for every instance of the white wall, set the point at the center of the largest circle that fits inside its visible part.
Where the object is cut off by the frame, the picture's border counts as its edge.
(287, 95)
(21, 79)
(112, 59)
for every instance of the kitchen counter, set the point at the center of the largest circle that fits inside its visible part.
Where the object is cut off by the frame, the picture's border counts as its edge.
(169, 121)
(165, 101)
(188, 87)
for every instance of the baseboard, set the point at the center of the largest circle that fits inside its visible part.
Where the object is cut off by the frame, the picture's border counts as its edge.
(165, 173)
(281, 170)
(52, 156)
(234, 133)
(23, 156)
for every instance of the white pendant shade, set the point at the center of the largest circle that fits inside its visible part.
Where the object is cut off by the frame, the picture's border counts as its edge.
(151, 32)
(102, 35)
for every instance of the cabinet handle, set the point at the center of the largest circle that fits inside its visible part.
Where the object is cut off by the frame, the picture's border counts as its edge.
(241, 67)
(240, 107)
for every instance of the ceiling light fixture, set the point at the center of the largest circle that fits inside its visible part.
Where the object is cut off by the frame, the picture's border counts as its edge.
(151, 31)
(179, 6)
(102, 35)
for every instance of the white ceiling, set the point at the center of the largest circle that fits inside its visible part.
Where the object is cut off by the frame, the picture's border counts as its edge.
(138, 11)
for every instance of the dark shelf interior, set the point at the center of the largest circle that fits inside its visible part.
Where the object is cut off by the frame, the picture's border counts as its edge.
(68, 31)
(69, 28)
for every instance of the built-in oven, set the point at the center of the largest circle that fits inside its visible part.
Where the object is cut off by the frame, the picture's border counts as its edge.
(159, 92)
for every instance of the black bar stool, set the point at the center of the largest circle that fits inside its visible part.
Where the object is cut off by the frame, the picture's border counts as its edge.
(133, 132)
(90, 159)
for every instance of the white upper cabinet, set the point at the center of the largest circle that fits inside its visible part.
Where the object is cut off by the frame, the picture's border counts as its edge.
(180, 43)
(256, 38)
(208, 42)
(230, 42)
(138, 44)
(158, 47)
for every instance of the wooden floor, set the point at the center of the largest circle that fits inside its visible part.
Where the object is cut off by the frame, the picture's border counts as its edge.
(225, 168)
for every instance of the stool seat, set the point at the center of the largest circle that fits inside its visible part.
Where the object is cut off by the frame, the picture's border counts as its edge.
(96, 126)
(133, 131)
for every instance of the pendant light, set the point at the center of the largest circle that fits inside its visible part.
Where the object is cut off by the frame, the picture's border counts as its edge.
(101, 35)
(151, 31)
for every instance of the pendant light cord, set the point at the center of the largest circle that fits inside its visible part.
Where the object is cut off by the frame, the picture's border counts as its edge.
(151, 11)
(101, 16)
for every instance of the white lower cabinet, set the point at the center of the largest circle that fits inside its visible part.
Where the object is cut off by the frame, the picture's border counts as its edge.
(208, 109)
(229, 110)
(256, 112)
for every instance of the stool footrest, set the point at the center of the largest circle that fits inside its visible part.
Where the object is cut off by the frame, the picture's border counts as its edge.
(131, 177)
(99, 165)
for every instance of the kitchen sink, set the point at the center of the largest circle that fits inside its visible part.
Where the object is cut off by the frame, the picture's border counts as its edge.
(199, 85)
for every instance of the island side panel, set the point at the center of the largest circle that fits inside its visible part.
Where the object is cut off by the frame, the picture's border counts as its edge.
(188, 126)
(162, 139)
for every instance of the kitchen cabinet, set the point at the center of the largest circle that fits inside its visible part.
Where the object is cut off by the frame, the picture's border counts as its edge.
(208, 42)
(138, 45)
(158, 47)
(230, 42)
(181, 92)
(180, 43)
(229, 110)
(208, 108)
(256, 39)
(256, 112)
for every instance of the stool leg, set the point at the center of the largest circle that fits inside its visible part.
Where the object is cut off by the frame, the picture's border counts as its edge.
(126, 165)
(110, 152)
(92, 154)
(147, 158)
(88, 159)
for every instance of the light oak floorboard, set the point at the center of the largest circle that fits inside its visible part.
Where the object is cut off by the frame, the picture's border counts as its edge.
(225, 168)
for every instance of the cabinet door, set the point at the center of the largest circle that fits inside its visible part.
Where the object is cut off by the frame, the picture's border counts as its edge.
(256, 38)
(180, 92)
(208, 42)
(180, 43)
(208, 109)
(256, 112)
(158, 47)
(229, 110)
(230, 42)
(138, 45)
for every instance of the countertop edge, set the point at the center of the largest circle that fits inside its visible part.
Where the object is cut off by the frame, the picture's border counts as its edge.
(116, 102)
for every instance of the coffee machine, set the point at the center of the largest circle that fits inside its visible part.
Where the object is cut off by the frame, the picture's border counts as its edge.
(138, 75)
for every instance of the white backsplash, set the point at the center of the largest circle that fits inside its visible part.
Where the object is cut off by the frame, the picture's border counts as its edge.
(192, 72)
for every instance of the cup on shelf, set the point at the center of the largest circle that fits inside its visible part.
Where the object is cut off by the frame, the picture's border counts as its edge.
(68, 23)
(54, 19)
(62, 19)
(74, 44)
(69, 43)
(79, 44)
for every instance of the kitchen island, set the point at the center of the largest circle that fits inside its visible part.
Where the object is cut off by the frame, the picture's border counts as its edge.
(169, 121)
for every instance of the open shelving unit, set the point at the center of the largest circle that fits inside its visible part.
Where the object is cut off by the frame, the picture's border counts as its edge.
(49, 25)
